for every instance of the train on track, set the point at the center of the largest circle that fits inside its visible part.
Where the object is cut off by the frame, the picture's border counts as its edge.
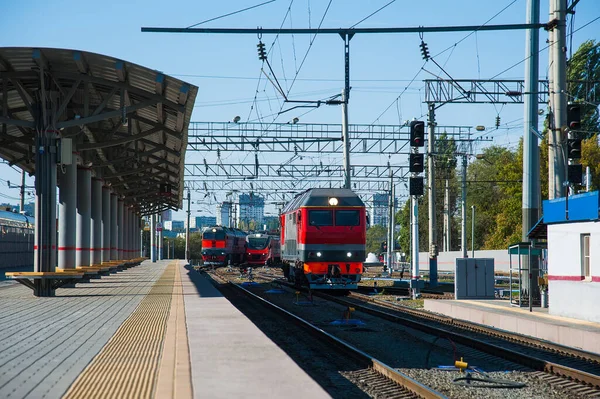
(222, 246)
(323, 237)
(263, 250)
(16, 240)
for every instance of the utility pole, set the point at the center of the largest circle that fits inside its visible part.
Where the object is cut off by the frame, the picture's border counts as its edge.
(345, 98)
(187, 230)
(447, 232)
(22, 204)
(433, 274)
(414, 279)
(558, 104)
(390, 240)
(463, 234)
(473, 231)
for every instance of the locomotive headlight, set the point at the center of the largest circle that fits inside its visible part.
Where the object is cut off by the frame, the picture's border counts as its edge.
(222, 253)
(214, 230)
(319, 254)
(349, 254)
(333, 201)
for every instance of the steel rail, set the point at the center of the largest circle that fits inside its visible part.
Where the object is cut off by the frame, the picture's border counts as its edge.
(526, 360)
(383, 369)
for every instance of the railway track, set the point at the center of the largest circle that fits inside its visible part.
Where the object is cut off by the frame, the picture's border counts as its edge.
(374, 377)
(541, 356)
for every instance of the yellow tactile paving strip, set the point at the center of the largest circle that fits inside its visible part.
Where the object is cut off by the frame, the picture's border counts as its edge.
(128, 365)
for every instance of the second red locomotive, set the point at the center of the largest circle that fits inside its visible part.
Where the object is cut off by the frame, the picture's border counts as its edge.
(223, 245)
(263, 249)
(323, 236)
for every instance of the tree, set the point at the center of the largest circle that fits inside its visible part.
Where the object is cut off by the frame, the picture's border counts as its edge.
(195, 246)
(590, 156)
(582, 70)
(375, 236)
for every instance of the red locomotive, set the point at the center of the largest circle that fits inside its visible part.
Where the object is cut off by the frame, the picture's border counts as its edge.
(263, 249)
(323, 235)
(223, 245)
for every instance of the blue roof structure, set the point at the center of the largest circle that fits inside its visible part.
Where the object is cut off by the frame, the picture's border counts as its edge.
(581, 207)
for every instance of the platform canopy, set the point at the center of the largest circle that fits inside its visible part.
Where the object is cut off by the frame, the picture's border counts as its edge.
(127, 122)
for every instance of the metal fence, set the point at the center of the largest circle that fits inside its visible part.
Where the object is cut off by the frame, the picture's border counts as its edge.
(16, 246)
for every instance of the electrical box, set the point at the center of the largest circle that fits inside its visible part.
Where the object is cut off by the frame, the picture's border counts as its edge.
(66, 151)
(474, 278)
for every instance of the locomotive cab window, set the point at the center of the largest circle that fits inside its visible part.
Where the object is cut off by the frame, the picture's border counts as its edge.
(347, 218)
(320, 218)
(210, 235)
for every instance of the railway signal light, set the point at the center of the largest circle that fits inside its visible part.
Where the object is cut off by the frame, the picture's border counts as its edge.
(417, 133)
(574, 148)
(416, 186)
(575, 173)
(574, 116)
(416, 163)
(262, 54)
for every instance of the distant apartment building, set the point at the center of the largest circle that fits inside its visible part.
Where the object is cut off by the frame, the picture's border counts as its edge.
(200, 222)
(380, 209)
(167, 215)
(224, 214)
(174, 225)
(251, 207)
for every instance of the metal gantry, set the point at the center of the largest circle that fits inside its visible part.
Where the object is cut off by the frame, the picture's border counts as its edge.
(253, 171)
(307, 138)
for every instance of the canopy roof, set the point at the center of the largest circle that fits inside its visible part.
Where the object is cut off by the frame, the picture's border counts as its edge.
(127, 122)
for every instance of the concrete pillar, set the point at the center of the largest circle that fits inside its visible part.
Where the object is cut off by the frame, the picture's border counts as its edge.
(160, 239)
(84, 213)
(127, 238)
(105, 224)
(114, 232)
(120, 229)
(96, 223)
(67, 208)
(153, 238)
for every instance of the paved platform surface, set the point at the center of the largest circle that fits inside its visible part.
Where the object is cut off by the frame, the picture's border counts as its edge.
(500, 314)
(230, 356)
(159, 321)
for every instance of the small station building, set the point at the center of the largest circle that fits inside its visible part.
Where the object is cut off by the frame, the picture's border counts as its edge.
(574, 255)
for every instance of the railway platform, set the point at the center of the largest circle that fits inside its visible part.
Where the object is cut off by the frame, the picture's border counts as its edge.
(579, 334)
(157, 330)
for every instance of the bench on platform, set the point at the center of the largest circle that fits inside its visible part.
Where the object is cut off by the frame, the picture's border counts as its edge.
(45, 283)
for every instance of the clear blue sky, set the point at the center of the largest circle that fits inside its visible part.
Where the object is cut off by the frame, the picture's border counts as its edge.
(226, 67)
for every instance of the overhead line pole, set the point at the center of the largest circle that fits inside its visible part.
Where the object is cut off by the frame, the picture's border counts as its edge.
(433, 274)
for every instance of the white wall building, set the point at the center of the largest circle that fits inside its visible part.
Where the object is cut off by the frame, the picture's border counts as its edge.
(574, 256)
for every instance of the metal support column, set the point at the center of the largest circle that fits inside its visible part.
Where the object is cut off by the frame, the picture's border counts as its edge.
(142, 253)
(114, 240)
(153, 238)
(557, 86)
(45, 204)
(120, 229)
(463, 206)
(187, 230)
(414, 279)
(84, 205)
(160, 237)
(96, 223)
(433, 273)
(22, 201)
(67, 220)
(106, 224)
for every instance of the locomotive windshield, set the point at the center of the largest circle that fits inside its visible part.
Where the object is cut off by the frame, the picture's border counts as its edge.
(320, 218)
(212, 235)
(258, 242)
(347, 218)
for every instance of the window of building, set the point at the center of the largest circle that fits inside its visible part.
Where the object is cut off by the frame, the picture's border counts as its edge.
(585, 256)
